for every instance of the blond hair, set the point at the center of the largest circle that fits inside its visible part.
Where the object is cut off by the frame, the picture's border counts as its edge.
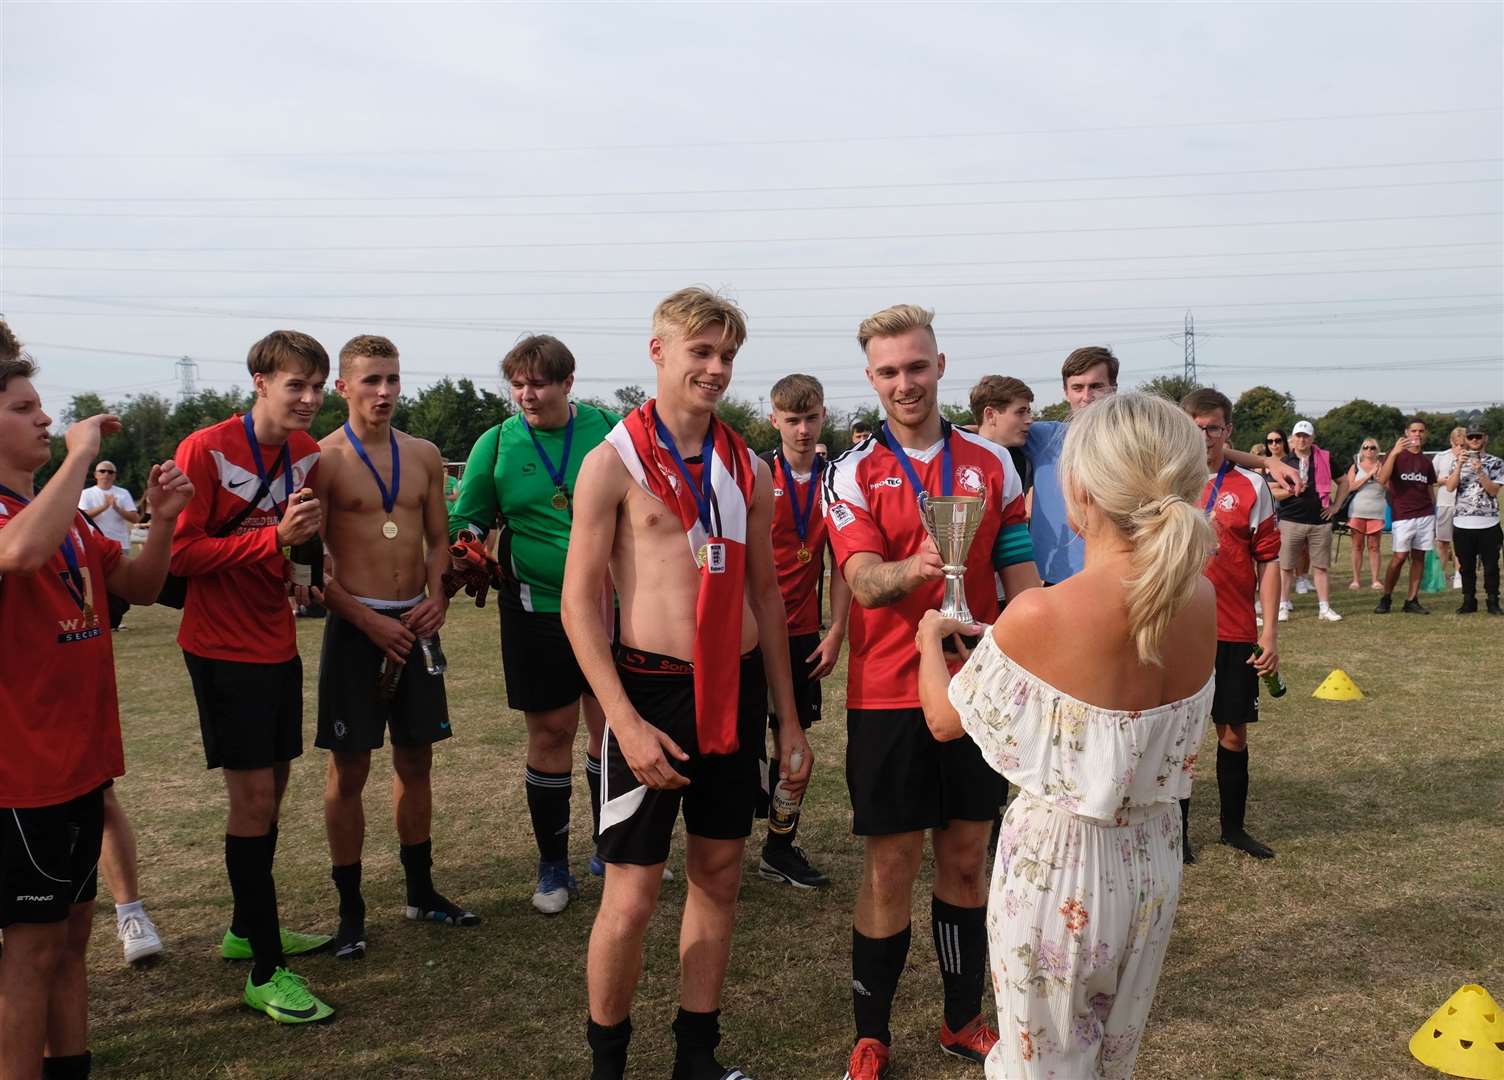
(895, 320)
(373, 345)
(1142, 462)
(694, 310)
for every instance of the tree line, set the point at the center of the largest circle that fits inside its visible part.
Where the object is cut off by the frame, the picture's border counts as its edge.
(453, 413)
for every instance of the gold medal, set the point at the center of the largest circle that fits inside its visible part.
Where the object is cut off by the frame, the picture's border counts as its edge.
(803, 555)
(389, 529)
(560, 501)
(703, 555)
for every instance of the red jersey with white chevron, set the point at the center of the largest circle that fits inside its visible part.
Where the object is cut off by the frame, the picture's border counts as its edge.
(870, 506)
(59, 720)
(1247, 533)
(237, 607)
(799, 582)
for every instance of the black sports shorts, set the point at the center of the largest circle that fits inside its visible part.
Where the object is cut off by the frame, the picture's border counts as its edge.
(251, 715)
(637, 822)
(352, 717)
(49, 858)
(806, 690)
(1235, 700)
(537, 660)
(902, 779)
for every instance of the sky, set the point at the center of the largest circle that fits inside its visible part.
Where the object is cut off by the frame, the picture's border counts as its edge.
(1318, 185)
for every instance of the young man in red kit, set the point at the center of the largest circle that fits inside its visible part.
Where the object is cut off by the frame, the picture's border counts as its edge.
(903, 782)
(1246, 564)
(59, 719)
(799, 545)
(254, 474)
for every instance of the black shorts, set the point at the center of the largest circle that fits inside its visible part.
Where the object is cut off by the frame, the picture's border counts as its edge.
(637, 822)
(1236, 697)
(251, 715)
(49, 858)
(537, 660)
(352, 718)
(806, 690)
(902, 779)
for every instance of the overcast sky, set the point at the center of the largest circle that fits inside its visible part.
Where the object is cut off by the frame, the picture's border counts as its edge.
(1319, 184)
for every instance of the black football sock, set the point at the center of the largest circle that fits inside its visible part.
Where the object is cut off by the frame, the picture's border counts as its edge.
(1186, 855)
(961, 944)
(548, 806)
(417, 867)
(608, 1049)
(249, 862)
(352, 906)
(876, 964)
(72, 1067)
(1232, 786)
(593, 781)
(696, 1035)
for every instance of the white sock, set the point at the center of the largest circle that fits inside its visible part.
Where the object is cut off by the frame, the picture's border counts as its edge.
(125, 911)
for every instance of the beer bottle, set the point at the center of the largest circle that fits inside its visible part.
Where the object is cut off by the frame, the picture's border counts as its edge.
(783, 813)
(1274, 682)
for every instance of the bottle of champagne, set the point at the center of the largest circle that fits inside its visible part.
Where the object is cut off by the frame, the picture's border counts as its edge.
(307, 561)
(387, 678)
(1274, 682)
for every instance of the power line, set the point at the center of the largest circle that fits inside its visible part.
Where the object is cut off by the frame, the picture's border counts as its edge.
(820, 140)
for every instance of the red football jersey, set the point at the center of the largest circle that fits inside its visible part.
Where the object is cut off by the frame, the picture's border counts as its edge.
(237, 606)
(870, 506)
(799, 582)
(59, 717)
(1243, 516)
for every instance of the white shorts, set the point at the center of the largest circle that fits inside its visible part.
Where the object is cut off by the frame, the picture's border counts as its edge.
(1413, 534)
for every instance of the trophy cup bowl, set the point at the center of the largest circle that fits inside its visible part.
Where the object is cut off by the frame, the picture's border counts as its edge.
(952, 522)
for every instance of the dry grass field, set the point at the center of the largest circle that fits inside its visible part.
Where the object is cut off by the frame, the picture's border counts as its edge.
(1388, 892)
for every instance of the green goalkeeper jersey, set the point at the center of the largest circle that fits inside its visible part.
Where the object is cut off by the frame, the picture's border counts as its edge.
(508, 485)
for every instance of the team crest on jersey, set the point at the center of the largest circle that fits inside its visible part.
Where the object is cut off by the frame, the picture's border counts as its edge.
(1227, 501)
(841, 515)
(969, 478)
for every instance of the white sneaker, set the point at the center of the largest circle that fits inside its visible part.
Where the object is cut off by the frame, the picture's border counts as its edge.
(1287, 605)
(1284, 614)
(1326, 614)
(138, 938)
(1302, 585)
(1457, 580)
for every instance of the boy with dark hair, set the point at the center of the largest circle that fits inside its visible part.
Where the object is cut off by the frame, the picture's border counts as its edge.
(799, 547)
(59, 717)
(255, 475)
(1246, 564)
(1411, 479)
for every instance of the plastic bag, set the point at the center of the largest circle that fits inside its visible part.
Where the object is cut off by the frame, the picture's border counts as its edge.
(1433, 580)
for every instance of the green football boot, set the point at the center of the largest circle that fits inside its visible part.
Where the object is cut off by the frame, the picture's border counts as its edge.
(285, 997)
(235, 947)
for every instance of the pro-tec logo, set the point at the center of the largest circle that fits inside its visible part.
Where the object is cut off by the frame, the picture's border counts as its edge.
(969, 477)
(890, 481)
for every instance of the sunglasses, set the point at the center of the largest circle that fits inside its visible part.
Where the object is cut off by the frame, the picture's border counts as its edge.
(1369, 446)
(1476, 438)
(1274, 442)
(109, 471)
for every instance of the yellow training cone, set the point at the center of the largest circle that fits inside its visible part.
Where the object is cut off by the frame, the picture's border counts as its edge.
(1338, 687)
(1465, 1037)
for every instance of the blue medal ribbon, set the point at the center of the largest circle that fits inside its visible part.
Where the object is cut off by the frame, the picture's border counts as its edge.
(556, 475)
(74, 582)
(802, 514)
(1217, 485)
(388, 498)
(947, 479)
(261, 473)
(701, 491)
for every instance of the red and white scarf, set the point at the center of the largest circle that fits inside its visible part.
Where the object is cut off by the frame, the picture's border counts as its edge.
(718, 608)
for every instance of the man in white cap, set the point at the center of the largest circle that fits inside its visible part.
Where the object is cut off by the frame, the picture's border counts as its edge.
(1305, 518)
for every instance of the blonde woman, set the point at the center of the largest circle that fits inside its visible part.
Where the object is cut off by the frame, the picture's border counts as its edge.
(1365, 517)
(1092, 697)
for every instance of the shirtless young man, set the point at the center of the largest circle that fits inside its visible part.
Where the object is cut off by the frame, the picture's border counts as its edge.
(383, 493)
(684, 693)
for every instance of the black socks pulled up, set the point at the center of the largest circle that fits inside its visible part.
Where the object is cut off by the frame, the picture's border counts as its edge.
(961, 946)
(876, 965)
(248, 860)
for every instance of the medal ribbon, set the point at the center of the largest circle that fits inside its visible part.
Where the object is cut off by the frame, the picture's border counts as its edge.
(74, 582)
(947, 480)
(261, 473)
(388, 498)
(701, 491)
(801, 514)
(1217, 485)
(556, 475)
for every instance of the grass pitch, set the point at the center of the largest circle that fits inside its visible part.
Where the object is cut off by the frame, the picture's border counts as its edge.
(1387, 895)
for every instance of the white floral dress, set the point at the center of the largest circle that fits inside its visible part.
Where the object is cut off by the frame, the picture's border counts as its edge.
(1087, 873)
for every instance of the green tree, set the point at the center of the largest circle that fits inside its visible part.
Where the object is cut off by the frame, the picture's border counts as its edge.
(1491, 420)
(1343, 429)
(453, 414)
(957, 414)
(1172, 388)
(629, 398)
(1061, 410)
(744, 418)
(1258, 411)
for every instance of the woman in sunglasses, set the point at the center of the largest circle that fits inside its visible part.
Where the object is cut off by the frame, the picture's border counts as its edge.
(1365, 517)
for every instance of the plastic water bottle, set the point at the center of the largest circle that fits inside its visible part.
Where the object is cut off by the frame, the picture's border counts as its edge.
(1274, 682)
(433, 656)
(783, 813)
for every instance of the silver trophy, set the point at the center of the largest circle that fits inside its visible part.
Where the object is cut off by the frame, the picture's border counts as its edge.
(952, 522)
